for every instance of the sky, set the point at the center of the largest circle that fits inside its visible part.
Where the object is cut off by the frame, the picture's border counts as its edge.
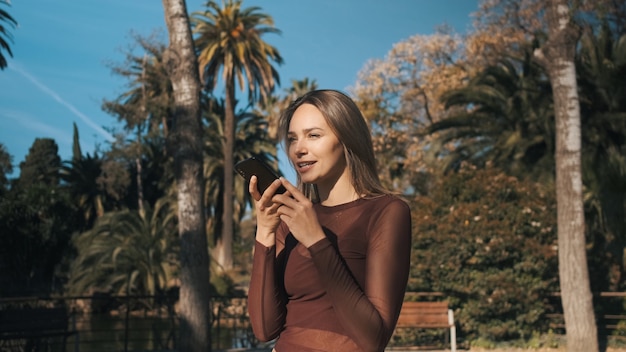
(60, 72)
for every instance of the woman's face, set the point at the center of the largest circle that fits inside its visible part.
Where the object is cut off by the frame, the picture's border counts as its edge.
(314, 149)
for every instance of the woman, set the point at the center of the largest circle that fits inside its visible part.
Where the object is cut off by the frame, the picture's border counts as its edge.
(330, 269)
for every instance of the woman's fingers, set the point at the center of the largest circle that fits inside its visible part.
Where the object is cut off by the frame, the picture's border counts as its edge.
(292, 201)
(264, 200)
(253, 189)
(292, 191)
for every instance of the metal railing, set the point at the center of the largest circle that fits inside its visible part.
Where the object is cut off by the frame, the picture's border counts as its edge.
(150, 323)
(132, 323)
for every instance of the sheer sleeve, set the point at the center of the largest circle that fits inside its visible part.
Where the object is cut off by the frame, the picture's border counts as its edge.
(369, 314)
(266, 302)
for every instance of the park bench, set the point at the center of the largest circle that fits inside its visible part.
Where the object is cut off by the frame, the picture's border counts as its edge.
(428, 315)
(35, 325)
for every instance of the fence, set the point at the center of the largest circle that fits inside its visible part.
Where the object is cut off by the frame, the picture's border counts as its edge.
(130, 323)
(149, 323)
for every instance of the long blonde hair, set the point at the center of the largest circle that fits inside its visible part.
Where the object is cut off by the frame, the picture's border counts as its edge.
(347, 122)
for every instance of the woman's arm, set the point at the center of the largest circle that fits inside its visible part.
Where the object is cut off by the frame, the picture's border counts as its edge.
(266, 298)
(370, 314)
(266, 302)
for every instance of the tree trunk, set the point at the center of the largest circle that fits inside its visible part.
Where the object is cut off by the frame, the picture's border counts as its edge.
(185, 143)
(557, 56)
(224, 244)
(139, 150)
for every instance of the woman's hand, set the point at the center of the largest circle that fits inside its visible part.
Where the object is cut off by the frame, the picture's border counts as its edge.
(296, 210)
(267, 217)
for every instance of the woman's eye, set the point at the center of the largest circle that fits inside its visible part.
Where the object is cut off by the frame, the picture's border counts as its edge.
(314, 135)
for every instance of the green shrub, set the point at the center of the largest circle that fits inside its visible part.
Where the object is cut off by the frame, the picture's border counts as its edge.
(488, 242)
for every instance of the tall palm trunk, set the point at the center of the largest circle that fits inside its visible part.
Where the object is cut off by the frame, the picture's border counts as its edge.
(139, 174)
(139, 132)
(557, 56)
(185, 142)
(224, 245)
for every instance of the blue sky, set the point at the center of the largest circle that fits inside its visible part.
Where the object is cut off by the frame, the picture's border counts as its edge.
(59, 73)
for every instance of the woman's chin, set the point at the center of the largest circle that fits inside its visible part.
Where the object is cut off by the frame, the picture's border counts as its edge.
(308, 180)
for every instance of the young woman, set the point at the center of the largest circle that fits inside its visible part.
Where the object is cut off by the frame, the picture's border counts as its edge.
(331, 258)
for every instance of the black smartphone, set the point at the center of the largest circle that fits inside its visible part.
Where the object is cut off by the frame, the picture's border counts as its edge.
(264, 173)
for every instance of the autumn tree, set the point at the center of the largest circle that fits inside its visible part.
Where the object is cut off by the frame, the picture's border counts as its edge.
(185, 145)
(400, 95)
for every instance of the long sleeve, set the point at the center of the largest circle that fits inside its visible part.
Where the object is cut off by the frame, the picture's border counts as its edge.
(369, 313)
(266, 302)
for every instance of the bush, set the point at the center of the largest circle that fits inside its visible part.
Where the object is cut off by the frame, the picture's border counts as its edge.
(488, 242)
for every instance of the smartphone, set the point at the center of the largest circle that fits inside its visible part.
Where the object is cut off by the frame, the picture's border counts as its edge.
(264, 173)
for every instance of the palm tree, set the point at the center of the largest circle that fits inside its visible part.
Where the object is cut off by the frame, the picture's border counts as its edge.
(251, 139)
(273, 105)
(145, 108)
(147, 104)
(601, 65)
(299, 88)
(503, 117)
(228, 39)
(127, 252)
(5, 36)
(81, 178)
(157, 169)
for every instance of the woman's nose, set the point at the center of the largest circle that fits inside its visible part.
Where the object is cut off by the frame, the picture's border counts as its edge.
(299, 148)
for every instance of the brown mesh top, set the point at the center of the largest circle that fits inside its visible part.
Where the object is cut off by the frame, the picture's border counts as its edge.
(344, 293)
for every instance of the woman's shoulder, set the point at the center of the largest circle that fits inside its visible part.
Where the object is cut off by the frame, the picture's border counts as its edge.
(368, 206)
(387, 200)
(384, 204)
